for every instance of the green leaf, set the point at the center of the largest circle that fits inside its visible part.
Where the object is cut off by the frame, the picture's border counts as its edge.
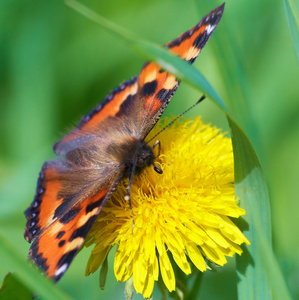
(103, 274)
(13, 260)
(293, 24)
(252, 190)
(194, 292)
(12, 288)
(258, 271)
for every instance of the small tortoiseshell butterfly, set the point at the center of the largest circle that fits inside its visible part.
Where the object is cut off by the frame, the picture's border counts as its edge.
(107, 145)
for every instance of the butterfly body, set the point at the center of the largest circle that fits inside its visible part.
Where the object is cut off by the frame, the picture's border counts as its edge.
(107, 145)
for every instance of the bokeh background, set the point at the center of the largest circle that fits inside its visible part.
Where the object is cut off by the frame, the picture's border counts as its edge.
(56, 65)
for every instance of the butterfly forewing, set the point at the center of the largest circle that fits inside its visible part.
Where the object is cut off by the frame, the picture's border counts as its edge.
(113, 105)
(155, 86)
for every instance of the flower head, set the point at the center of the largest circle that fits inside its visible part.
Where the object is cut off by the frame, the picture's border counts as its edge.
(185, 212)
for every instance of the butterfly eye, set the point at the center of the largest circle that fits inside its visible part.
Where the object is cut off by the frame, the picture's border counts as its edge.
(141, 161)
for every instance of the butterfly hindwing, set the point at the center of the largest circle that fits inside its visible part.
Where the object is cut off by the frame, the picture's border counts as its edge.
(61, 184)
(70, 194)
(42, 210)
(62, 227)
(57, 245)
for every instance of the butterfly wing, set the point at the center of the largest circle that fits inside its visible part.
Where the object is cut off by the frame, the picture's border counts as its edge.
(155, 86)
(144, 98)
(190, 43)
(71, 191)
(68, 199)
(113, 105)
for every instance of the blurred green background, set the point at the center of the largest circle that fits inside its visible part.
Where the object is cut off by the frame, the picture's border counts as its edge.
(56, 65)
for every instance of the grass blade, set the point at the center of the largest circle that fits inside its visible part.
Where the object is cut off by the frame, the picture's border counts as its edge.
(259, 276)
(12, 288)
(12, 260)
(252, 190)
(293, 24)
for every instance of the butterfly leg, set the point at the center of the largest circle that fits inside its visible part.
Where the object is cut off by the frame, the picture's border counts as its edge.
(157, 142)
(156, 168)
(128, 195)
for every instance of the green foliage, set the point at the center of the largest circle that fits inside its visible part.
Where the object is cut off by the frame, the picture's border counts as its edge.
(55, 66)
(25, 275)
(293, 23)
(13, 289)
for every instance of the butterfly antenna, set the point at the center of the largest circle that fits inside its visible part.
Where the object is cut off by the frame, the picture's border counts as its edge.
(176, 118)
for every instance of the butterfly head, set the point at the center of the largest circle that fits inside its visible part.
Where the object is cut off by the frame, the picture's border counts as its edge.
(144, 157)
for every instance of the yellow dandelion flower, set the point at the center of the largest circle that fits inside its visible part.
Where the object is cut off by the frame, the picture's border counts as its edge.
(185, 212)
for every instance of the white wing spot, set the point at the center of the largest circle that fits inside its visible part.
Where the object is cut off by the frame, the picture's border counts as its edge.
(210, 28)
(62, 269)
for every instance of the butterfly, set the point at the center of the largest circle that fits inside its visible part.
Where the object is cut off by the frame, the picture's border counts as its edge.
(107, 145)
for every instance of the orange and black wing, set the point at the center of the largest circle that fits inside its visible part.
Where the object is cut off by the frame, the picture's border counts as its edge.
(155, 86)
(66, 204)
(146, 96)
(113, 105)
